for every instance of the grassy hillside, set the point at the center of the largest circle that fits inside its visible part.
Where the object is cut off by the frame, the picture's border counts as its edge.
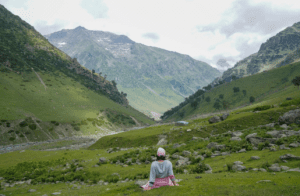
(266, 86)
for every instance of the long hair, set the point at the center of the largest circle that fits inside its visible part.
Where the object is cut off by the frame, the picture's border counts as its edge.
(159, 158)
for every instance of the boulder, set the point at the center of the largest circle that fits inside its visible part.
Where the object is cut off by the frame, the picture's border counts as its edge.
(289, 157)
(214, 119)
(31, 190)
(161, 142)
(295, 169)
(181, 163)
(102, 160)
(294, 145)
(256, 140)
(199, 156)
(238, 163)
(141, 182)
(235, 139)
(282, 147)
(251, 136)
(275, 167)
(292, 116)
(220, 146)
(188, 130)
(208, 166)
(186, 153)
(195, 153)
(212, 145)
(196, 138)
(224, 116)
(284, 168)
(175, 156)
(110, 150)
(147, 162)
(273, 133)
(176, 145)
(285, 126)
(242, 150)
(236, 134)
(217, 153)
(255, 157)
(262, 170)
(225, 153)
(238, 167)
(270, 125)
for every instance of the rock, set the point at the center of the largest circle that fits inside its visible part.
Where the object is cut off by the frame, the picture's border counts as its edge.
(208, 166)
(250, 136)
(281, 135)
(289, 157)
(186, 153)
(238, 167)
(254, 169)
(273, 133)
(236, 134)
(199, 156)
(263, 181)
(295, 169)
(195, 153)
(110, 150)
(102, 160)
(292, 116)
(185, 171)
(56, 193)
(198, 177)
(221, 146)
(275, 168)
(180, 163)
(294, 145)
(214, 119)
(188, 130)
(208, 172)
(254, 148)
(196, 138)
(224, 116)
(184, 158)
(289, 98)
(22, 151)
(161, 142)
(31, 190)
(284, 168)
(216, 153)
(238, 163)
(175, 156)
(255, 140)
(262, 170)
(285, 126)
(212, 145)
(178, 180)
(1, 178)
(79, 168)
(176, 145)
(141, 182)
(270, 125)
(225, 153)
(242, 150)
(147, 162)
(255, 157)
(235, 139)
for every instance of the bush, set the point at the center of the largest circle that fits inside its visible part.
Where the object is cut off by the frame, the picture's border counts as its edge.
(21, 135)
(261, 108)
(12, 138)
(7, 124)
(221, 96)
(32, 126)
(229, 166)
(23, 124)
(200, 168)
(252, 99)
(266, 165)
(236, 89)
(207, 99)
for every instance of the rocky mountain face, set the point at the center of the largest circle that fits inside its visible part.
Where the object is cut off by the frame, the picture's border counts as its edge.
(275, 52)
(223, 64)
(154, 79)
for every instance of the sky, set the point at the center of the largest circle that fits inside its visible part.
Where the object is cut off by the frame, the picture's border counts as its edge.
(205, 30)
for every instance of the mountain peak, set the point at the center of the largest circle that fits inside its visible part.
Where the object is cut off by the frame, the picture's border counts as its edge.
(80, 28)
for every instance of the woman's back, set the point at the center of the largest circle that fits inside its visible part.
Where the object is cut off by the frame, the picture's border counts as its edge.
(161, 169)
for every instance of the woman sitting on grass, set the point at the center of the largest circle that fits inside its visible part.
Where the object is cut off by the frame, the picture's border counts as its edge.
(161, 173)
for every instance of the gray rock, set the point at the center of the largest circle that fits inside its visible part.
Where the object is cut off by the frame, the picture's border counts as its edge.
(255, 140)
(176, 145)
(285, 126)
(185, 171)
(212, 145)
(289, 157)
(175, 156)
(290, 117)
(270, 125)
(181, 163)
(262, 170)
(236, 134)
(199, 156)
(141, 182)
(208, 172)
(225, 153)
(238, 163)
(224, 116)
(208, 166)
(281, 135)
(254, 148)
(242, 150)
(196, 138)
(56, 193)
(217, 153)
(110, 150)
(147, 162)
(284, 168)
(238, 167)
(161, 142)
(294, 145)
(188, 130)
(79, 168)
(102, 160)
(1, 178)
(220, 146)
(273, 133)
(186, 153)
(235, 139)
(255, 169)
(252, 135)
(255, 157)
(214, 119)
(275, 168)
(183, 158)
(263, 181)
(31, 190)
(295, 169)
(195, 153)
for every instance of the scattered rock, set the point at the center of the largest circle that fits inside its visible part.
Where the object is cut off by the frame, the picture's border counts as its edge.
(224, 116)
(110, 150)
(79, 168)
(275, 167)
(262, 170)
(256, 140)
(236, 134)
(238, 167)
(294, 145)
(263, 181)
(255, 157)
(147, 162)
(273, 133)
(238, 163)
(102, 160)
(285, 126)
(189, 130)
(195, 153)
(31, 190)
(284, 168)
(186, 153)
(254, 148)
(56, 193)
(161, 142)
(235, 139)
(208, 166)
(141, 182)
(295, 169)
(293, 116)
(180, 163)
(199, 156)
(1, 178)
(22, 151)
(242, 150)
(250, 136)
(212, 145)
(225, 153)
(289, 157)
(198, 177)
(208, 172)
(282, 147)
(176, 145)
(270, 125)
(214, 119)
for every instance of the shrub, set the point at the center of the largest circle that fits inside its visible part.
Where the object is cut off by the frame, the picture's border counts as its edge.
(10, 131)
(200, 168)
(266, 165)
(207, 99)
(32, 126)
(221, 96)
(261, 108)
(17, 132)
(229, 166)
(23, 124)
(7, 124)
(252, 99)
(12, 138)
(21, 135)
(236, 89)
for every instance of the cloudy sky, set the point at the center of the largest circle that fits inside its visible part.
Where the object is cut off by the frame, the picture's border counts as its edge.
(205, 30)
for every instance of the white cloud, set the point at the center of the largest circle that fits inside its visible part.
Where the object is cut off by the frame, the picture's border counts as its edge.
(205, 30)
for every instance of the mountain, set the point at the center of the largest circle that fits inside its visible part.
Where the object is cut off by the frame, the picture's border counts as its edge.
(271, 54)
(223, 64)
(153, 79)
(45, 94)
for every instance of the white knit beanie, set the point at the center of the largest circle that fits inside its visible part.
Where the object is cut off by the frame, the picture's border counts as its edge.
(161, 152)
